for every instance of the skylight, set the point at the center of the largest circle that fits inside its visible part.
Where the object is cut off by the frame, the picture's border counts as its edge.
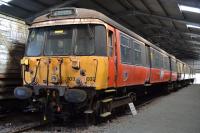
(193, 26)
(5, 2)
(189, 8)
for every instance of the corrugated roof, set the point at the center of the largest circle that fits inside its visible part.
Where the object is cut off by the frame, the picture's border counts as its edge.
(159, 21)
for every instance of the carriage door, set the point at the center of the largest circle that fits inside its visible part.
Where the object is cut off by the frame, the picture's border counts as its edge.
(112, 59)
(148, 62)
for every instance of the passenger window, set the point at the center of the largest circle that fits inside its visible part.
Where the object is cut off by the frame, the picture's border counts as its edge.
(137, 54)
(125, 49)
(166, 63)
(155, 59)
(158, 61)
(161, 60)
(131, 51)
(110, 43)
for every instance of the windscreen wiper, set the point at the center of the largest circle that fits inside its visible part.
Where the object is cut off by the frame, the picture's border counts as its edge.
(91, 33)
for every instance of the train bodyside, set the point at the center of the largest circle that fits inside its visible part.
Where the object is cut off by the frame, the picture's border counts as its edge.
(139, 64)
(131, 61)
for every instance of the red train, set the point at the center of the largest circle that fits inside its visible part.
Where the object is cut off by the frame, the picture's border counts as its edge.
(81, 60)
(150, 65)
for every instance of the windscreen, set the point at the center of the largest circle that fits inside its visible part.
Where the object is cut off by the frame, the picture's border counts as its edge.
(59, 42)
(67, 40)
(35, 42)
(84, 44)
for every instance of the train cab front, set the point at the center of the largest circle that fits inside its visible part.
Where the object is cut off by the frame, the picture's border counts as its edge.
(64, 65)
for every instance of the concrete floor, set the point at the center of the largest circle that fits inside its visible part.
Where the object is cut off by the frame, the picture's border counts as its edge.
(178, 112)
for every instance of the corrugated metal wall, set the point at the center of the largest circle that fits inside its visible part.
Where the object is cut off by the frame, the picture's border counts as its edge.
(13, 35)
(13, 29)
(195, 64)
(10, 72)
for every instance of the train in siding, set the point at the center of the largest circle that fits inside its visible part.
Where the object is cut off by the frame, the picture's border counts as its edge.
(81, 61)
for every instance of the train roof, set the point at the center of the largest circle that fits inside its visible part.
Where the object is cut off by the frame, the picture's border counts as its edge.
(82, 13)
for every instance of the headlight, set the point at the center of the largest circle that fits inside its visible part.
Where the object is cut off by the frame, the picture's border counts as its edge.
(24, 62)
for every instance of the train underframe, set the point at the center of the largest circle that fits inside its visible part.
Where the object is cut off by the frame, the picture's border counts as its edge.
(60, 102)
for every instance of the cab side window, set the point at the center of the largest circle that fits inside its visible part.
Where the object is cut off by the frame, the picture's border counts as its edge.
(110, 43)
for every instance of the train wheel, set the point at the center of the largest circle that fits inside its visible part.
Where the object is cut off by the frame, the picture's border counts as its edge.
(175, 86)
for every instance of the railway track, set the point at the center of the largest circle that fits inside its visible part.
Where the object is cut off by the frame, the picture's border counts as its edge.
(9, 128)
(148, 99)
(25, 127)
(77, 124)
(19, 122)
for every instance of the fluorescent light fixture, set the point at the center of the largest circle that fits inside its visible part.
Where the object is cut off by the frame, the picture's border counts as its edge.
(189, 8)
(192, 35)
(5, 2)
(193, 26)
